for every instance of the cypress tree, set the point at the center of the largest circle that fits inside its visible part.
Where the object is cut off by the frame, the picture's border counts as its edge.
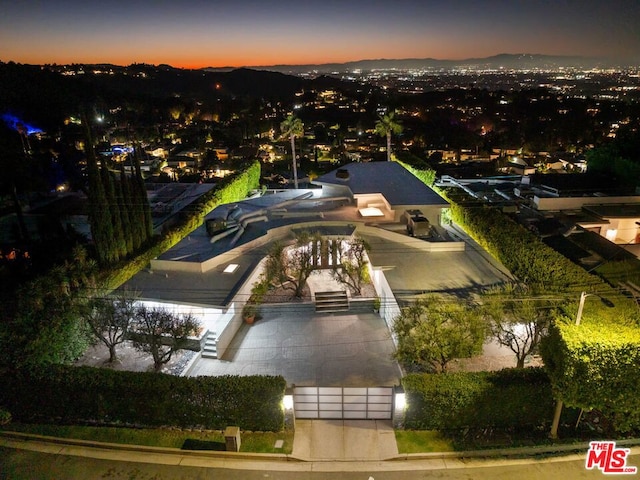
(119, 247)
(146, 220)
(124, 203)
(99, 220)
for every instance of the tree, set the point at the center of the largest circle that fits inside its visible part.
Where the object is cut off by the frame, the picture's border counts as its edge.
(110, 319)
(161, 333)
(290, 267)
(293, 127)
(433, 331)
(385, 126)
(517, 320)
(353, 270)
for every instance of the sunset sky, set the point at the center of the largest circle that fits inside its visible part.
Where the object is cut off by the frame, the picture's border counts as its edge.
(199, 33)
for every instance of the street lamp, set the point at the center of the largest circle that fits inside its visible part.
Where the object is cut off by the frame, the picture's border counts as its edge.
(583, 297)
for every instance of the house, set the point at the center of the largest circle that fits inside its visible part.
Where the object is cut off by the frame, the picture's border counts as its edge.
(210, 273)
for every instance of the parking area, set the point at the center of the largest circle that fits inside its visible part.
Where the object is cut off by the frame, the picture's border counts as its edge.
(311, 349)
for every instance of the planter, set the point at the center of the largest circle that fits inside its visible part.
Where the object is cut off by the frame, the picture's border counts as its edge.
(249, 319)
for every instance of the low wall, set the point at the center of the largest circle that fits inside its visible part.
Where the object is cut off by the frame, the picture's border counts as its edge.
(389, 309)
(576, 203)
(234, 312)
(417, 243)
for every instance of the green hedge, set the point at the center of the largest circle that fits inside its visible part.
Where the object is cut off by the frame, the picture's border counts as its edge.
(505, 399)
(596, 365)
(524, 254)
(416, 166)
(64, 394)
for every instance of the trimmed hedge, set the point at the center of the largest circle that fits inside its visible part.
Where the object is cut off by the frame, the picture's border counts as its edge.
(417, 167)
(64, 394)
(505, 399)
(596, 365)
(521, 251)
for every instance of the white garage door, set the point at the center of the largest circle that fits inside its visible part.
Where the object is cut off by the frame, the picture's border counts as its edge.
(367, 403)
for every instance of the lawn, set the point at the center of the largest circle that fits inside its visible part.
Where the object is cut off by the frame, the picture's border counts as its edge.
(422, 441)
(254, 442)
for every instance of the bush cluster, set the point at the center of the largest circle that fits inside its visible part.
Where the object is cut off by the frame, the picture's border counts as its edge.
(504, 399)
(64, 394)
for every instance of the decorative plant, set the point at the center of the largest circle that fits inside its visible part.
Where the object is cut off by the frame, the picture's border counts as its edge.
(376, 303)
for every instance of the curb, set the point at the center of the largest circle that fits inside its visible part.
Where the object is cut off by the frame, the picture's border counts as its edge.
(518, 452)
(505, 453)
(26, 437)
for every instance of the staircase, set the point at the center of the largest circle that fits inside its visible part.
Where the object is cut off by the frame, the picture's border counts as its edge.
(330, 302)
(210, 348)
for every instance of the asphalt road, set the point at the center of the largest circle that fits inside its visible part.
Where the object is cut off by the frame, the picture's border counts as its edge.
(30, 465)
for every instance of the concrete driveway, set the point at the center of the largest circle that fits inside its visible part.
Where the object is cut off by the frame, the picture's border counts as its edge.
(309, 349)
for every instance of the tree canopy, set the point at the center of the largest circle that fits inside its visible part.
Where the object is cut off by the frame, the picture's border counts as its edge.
(435, 330)
(386, 125)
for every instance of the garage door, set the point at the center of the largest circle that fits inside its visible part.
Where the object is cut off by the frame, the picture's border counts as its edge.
(367, 403)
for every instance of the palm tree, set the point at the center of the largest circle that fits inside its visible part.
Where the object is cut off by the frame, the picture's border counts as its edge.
(385, 126)
(293, 127)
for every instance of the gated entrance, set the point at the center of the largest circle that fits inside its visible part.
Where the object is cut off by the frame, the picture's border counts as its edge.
(366, 403)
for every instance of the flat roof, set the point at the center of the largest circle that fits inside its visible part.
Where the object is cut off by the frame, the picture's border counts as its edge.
(616, 210)
(392, 180)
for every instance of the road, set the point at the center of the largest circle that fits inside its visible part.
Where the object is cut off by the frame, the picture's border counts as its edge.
(33, 465)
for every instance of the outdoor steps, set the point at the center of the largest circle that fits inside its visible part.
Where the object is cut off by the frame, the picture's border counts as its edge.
(210, 347)
(329, 302)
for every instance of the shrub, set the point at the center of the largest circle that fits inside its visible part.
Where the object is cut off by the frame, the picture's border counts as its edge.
(504, 399)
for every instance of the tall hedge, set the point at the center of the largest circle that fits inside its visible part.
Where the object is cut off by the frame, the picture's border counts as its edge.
(596, 365)
(64, 394)
(504, 399)
(524, 254)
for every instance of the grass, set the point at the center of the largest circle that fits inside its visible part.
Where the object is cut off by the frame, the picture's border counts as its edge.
(254, 442)
(422, 441)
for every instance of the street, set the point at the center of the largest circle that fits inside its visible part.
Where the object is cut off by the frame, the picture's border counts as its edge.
(31, 465)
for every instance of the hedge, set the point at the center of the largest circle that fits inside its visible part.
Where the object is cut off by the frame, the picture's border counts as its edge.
(596, 365)
(524, 254)
(509, 398)
(65, 394)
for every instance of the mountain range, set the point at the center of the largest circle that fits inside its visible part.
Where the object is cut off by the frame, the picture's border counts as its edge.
(520, 61)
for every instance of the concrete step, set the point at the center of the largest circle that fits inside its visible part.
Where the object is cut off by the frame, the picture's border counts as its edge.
(332, 301)
(210, 347)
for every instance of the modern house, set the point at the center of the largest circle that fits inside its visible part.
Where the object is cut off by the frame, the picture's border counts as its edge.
(210, 273)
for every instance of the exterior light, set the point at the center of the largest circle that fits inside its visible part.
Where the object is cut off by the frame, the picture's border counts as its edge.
(287, 401)
(400, 400)
(371, 212)
(232, 267)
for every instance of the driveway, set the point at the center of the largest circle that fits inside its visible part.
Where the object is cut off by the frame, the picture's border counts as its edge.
(309, 349)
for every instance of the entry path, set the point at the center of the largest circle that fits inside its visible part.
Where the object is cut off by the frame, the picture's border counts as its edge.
(341, 440)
